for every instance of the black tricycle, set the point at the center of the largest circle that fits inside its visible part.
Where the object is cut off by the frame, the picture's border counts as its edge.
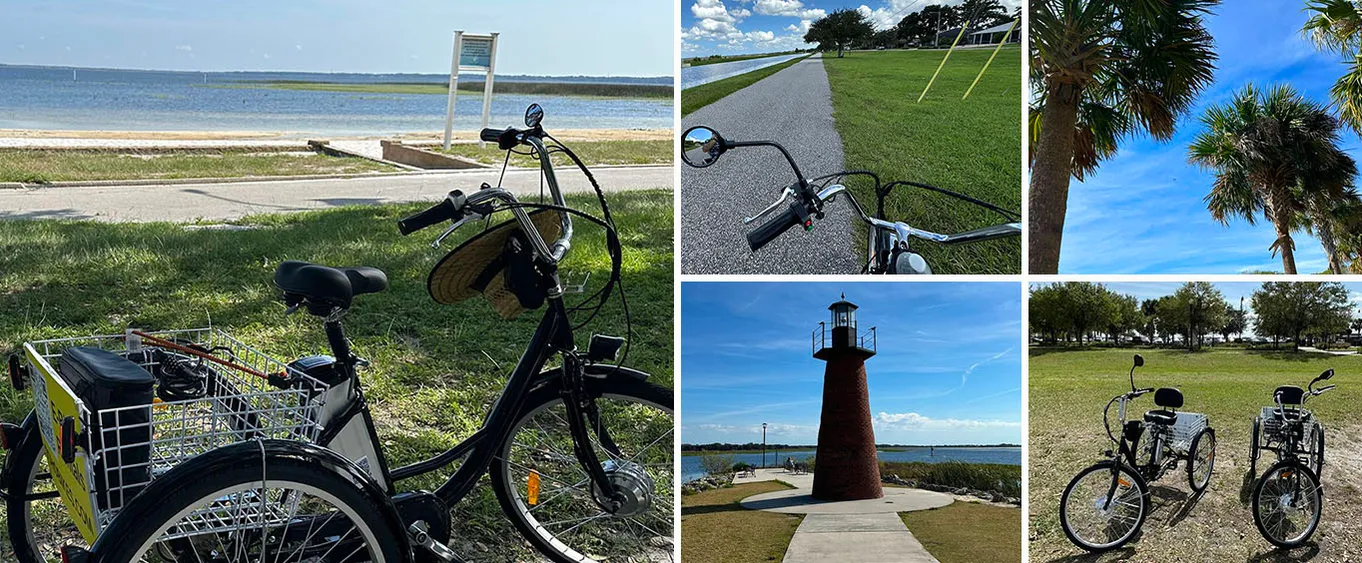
(1288, 498)
(1105, 505)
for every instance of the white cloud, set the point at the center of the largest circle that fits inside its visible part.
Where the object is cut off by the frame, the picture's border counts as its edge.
(791, 8)
(915, 421)
(740, 13)
(298, 47)
(185, 48)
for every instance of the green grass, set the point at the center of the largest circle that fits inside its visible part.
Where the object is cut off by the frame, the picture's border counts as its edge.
(971, 146)
(528, 88)
(592, 153)
(715, 528)
(1002, 478)
(716, 59)
(1069, 388)
(41, 166)
(696, 97)
(966, 532)
(435, 369)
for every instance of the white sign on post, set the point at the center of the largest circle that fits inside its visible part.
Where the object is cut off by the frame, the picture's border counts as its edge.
(472, 53)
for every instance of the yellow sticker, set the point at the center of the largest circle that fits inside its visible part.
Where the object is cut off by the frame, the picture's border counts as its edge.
(72, 480)
(532, 494)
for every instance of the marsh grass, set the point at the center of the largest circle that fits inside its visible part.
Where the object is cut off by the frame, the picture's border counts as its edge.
(592, 153)
(36, 166)
(968, 146)
(435, 369)
(716, 59)
(998, 477)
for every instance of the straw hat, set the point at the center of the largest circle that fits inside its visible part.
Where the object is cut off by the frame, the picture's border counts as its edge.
(477, 262)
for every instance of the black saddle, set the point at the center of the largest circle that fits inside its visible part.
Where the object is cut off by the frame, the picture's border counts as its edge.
(324, 287)
(1166, 418)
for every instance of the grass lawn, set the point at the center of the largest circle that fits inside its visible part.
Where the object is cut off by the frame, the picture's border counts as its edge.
(42, 166)
(435, 369)
(716, 529)
(593, 153)
(971, 146)
(585, 89)
(696, 97)
(966, 532)
(1069, 388)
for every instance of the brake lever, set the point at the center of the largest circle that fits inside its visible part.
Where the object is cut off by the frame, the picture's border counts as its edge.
(468, 217)
(786, 193)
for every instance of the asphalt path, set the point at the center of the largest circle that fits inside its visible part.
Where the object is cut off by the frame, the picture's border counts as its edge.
(794, 108)
(215, 202)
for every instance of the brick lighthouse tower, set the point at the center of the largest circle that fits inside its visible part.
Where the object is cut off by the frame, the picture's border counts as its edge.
(846, 467)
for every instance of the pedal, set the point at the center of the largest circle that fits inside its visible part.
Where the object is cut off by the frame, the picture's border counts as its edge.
(571, 286)
(420, 535)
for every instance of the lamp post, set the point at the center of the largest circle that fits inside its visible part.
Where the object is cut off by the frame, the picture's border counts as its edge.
(763, 445)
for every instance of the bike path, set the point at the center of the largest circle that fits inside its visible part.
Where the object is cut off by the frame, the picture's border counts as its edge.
(227, 201)
(867, 531)
(794, 108)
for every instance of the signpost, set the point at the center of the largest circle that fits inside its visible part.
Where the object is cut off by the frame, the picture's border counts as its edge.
(472, 53)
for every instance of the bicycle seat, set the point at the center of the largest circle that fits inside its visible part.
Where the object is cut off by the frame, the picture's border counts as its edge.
(326, 287)
(1289, 395)
(1166, 418)
(1168, 397)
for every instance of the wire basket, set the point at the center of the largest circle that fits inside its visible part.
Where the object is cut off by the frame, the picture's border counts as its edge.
(129, 447)
(1185, 429)
(1273, 425)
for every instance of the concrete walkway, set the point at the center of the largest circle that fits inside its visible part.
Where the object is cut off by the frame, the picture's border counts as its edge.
(866, 531)
(792, 107)
(218, 202)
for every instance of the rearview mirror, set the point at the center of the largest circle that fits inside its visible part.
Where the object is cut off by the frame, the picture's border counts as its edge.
(1139, 360)
(1328, 373)
(701, 146)
(533, 115)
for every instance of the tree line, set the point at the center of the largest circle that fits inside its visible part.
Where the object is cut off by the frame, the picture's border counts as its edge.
(1085, 312)
(851, 29)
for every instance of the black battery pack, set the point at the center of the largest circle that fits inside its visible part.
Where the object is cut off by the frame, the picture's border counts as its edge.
(103, 381)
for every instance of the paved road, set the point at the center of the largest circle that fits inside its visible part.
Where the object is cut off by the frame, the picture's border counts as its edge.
(868, 531)
(189, 202)
(794, 108)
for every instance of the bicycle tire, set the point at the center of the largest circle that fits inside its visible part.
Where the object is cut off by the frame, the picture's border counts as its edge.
(25, 464)
(1140, 486)
(1192, 457)
(1315, 517)
(619, 383)
(133, 532)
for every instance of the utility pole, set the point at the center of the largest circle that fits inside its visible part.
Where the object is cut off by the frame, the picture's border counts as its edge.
(763, 445)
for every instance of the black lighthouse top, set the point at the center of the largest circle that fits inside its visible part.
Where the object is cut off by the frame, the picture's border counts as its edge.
(844, 338)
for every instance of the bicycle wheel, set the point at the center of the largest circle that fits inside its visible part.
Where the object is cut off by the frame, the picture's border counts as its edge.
(37, 520)
(1317, 452)
(1201, 460)
(1097, 517)
(1287, 502)
(548, 496)
(295, 503)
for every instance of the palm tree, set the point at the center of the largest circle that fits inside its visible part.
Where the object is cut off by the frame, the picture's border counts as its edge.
(1336, 26)
(1275, 153)
(1104, 69)
(1330, 216)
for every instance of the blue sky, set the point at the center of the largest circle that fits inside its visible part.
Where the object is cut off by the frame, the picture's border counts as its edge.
(948, 368)
(1232, 291)
(542, 37)
(711, 27)
(1150, 199)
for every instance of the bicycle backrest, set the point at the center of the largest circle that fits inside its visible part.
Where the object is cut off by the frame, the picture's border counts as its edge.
(1168, 397)
(1289, 395)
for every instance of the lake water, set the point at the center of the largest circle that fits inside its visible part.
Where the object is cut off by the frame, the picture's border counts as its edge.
(691, 470)
(704, 74)
(125, 100)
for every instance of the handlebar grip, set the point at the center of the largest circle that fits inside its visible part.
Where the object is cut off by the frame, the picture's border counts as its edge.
(768, 231)
(490, 135)
(442, 211)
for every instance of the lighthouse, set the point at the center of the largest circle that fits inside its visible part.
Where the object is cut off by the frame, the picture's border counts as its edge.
(846, 467)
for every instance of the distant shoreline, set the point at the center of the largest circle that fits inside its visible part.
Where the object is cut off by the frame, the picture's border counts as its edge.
(885, 448)
(576, 89)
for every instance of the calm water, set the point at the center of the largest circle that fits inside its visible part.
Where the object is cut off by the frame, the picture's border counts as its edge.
(704, 74)
(123, 100)
(690, 464)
